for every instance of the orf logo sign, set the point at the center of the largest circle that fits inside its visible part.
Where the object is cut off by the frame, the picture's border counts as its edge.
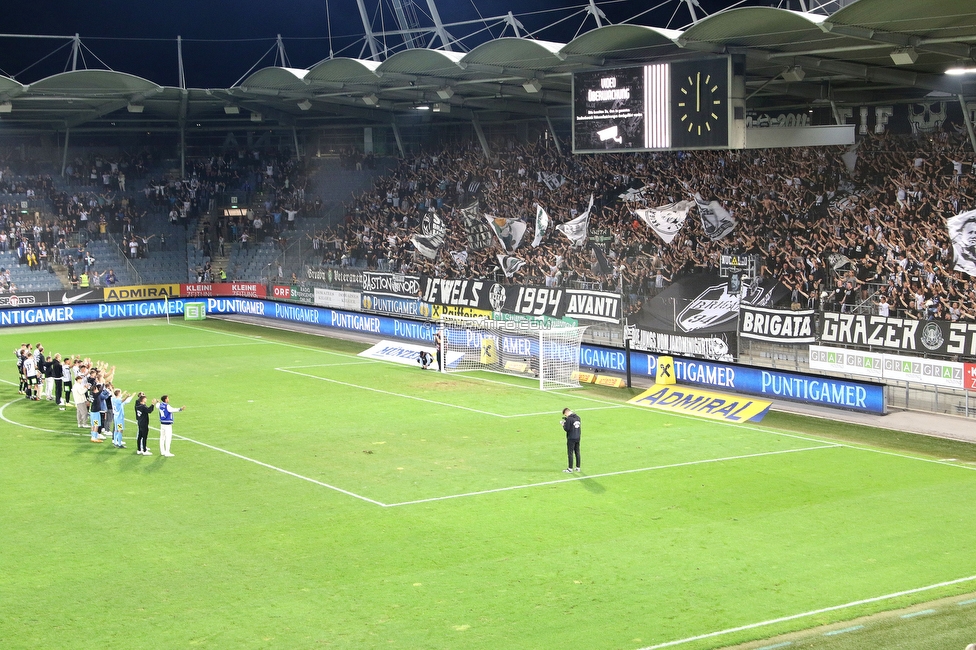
(969, 376)
(282, 292)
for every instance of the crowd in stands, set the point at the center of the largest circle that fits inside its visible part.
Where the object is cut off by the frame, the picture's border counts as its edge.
(838, 235)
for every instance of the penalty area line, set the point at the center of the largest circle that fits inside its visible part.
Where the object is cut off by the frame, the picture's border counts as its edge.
(605, 474)
(815, 612)
(283, 471)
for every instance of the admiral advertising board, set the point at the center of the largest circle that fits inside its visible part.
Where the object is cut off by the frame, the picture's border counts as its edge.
(141, 292)
(899, 335)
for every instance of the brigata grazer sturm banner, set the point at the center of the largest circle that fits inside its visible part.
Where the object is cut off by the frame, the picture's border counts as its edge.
(903, 335)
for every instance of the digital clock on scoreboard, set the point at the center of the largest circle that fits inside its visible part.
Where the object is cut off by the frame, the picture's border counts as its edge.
(660, 106)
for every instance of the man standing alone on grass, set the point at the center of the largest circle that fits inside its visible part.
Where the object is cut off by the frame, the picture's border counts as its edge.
(571, 425)
(166, 425)
(142, 419)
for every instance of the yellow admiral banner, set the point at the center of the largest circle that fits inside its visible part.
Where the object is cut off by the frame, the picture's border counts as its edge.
(612, 382)
(587, 377)
(694, 401)
(142, 292)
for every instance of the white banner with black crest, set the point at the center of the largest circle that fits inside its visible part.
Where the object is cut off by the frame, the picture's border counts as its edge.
(666, 220)
(962, 232)
(716, 220)
(576, 230)
(509, 232)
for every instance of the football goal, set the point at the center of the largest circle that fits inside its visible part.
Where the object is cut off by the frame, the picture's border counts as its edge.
(523, 348)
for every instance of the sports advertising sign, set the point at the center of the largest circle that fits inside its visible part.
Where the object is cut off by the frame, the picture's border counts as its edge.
(335, 275)
(390, 305)
(696, 401)
(141, 292)
(899, 335)
(890, 367)
(240, 289)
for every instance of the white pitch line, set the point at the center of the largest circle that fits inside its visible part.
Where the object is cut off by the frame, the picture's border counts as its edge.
(793, 617)
(330, 365)
(626, 471)
(392, 394)
(283, 471)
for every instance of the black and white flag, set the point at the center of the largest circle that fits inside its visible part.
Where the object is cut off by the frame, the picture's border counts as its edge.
(666, 220)
(716, 220)
(577, 229)
(552, 181)
(431, 236)
(509, 264)
(508, 231)
(477, 231)
(962, 232)
(460, 258)
(633, 195)
(542, 222)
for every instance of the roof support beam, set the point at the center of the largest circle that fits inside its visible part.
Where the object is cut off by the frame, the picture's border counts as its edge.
(896, 39)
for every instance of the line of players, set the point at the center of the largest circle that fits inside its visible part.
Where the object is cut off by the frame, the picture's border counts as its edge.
(99, 405)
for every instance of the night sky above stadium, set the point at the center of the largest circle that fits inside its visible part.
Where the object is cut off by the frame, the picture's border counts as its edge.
(223, 40)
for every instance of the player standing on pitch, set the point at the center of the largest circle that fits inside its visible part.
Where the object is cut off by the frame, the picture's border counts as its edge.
(571, 425)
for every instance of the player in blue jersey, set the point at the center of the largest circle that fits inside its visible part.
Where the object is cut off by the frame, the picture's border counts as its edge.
(119, 400)
(166, 424)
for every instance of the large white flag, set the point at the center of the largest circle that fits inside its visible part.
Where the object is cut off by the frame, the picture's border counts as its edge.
(508, 231)
(460, 258)
(666, 220)
(577, 229)
(542, 222)
(633, 195)
(716, 220)
(509, 264)
(962, 232)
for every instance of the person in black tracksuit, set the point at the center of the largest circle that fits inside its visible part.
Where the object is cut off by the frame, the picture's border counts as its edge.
(57, 372)
(571, 425)
(142, 419)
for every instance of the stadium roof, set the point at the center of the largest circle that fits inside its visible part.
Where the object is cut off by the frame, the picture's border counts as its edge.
(869, 52)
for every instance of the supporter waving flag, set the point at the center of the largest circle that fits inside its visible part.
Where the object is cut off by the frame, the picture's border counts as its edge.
(542, 222)
(962, 232)
(716, 220)
(508, 231)
(477, 231)
(576, 230)
(666, 220)
(509, 264)
(432, 233)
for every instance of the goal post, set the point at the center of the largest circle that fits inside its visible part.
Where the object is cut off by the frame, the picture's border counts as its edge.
(522, 348)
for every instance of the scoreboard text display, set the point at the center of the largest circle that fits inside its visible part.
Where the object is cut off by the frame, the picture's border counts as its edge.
(677, 105)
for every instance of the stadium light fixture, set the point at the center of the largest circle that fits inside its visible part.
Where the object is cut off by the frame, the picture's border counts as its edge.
(256, 117)
(795, 73)
(961, 68)
(446, 92)
(232, 110)
(304, 104)
(904, 56)
(442, 108)
(532, 86)
(6, 107)
(135, 108)
(371, 99)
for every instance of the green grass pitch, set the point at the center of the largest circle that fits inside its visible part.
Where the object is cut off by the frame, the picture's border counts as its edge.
(319, 499)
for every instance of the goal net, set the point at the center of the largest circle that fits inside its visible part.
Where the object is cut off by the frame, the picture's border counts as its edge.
(522, 348)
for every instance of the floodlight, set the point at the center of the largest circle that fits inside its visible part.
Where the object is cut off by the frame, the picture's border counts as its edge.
(304, 104)
(795, 73)
(446, 92)
(532, 86)
(232, 110)
(135, 108)
(371, 99)
(904, 56)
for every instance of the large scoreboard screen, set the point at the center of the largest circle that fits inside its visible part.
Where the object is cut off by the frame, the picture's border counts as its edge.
(660, 106)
